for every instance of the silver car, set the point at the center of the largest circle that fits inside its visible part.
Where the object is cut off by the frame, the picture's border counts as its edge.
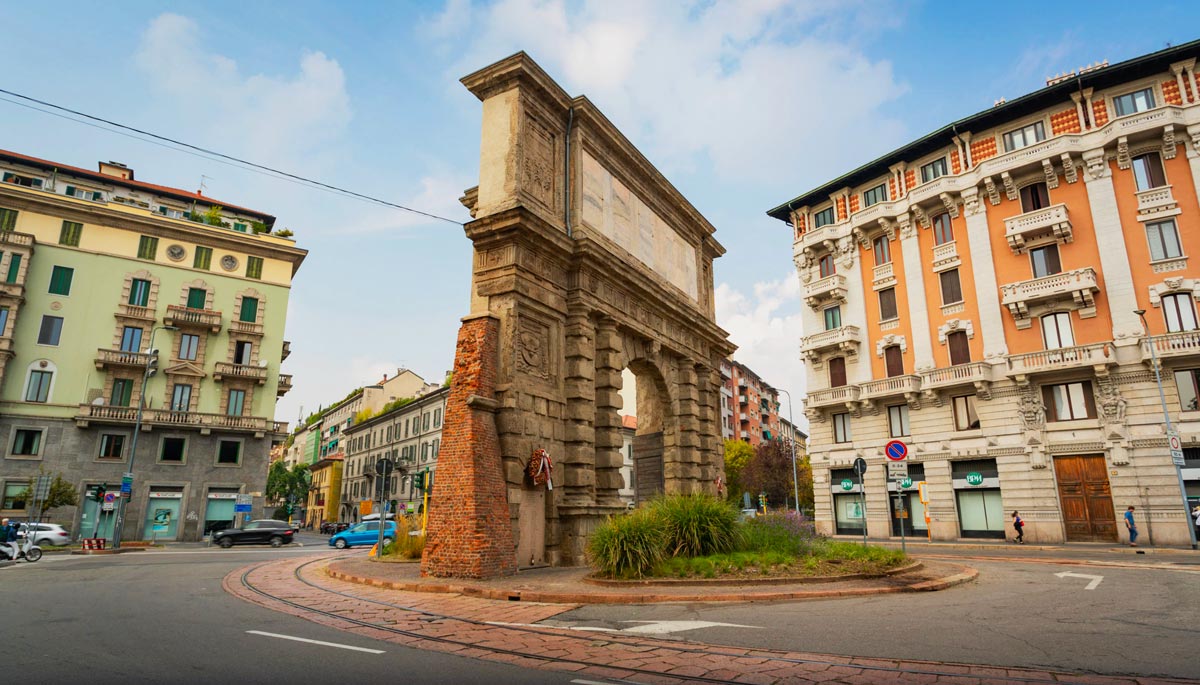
(46, 534)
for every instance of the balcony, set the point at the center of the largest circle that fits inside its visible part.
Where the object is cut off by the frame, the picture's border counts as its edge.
(907, 386)
(826, 289)
(117, 358)
(135, 313)
(742, 399)
(186, 317)
(246, 327)
(845, 395)
(1094, 355)
(945, 256)
(1156, 203)
(287, 350)
(1182, 344)
(883, 275)
(285, 384)
(1050, 224)
(844, 339)
(14, 238)
(1079, 285)
(978, 374)
(225, 370)
(106, 414)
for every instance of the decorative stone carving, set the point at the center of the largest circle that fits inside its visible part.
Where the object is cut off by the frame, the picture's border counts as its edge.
(532, 348)
(954, 325)
(1033, 413)
(951, 205)
(1112, 403)
(889, 228)
(906, 226)
(889, 340)
(1010, 187)
(1168, 145)
(1194, 133)
(992, 191)
(1069, 168)
(971, 203)
(1123, 159)
(920, 216)
(1095, 165)
(537, 167)
(1051, 176)
(846, 252)
(861, 236)
(1174, 285)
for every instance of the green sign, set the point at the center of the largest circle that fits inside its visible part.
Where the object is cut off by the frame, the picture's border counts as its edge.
(847, 484)
(974, 478)
(906, 483)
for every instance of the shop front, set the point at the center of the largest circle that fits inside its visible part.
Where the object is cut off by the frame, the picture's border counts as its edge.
(97, 518)
(977, 498)
(904, 499)
(1191, 477)
(219, 510)
(849, 514)
(162, 513)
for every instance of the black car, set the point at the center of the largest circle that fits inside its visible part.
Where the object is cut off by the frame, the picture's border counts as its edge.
(262, 532)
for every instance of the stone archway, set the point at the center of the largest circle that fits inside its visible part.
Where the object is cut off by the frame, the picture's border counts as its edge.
(586, 262)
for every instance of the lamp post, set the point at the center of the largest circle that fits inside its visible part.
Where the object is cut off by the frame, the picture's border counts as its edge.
(1162, 397)
(795, 477)
(151, 366)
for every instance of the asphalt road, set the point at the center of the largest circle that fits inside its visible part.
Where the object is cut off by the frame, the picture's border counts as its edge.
(1135, 621)
(161, 616)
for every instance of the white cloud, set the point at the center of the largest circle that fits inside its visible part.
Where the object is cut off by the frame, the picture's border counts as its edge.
(437, 194)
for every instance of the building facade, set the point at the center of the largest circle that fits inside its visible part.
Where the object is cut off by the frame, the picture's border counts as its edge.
(749, 406)
(325, 489)
(98, 270)
(975, 294)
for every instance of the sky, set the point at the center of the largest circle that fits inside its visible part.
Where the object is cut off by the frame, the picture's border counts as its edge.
(742, 105)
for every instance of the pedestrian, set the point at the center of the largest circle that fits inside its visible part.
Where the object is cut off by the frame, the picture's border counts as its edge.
(1196, 516)
(8, 537)
(1132, 526)
(1019, 526)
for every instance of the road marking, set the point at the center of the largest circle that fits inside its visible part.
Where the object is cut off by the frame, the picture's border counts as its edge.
(665, 627)
(1090, 586)
(591, 682)
(315, 642)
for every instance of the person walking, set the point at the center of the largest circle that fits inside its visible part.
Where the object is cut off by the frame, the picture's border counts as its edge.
(1131, 525)
(1019, 526)
(1196, 516)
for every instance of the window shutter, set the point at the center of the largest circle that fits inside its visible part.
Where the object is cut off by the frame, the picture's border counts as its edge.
(249, 313)
(196, 298)
(1089, 399)
(837, 372)
(960, 351)
(1048, 402)
(71, 191)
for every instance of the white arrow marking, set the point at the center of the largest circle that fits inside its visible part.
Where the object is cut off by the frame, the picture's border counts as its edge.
(1090, 586)
(664, 627)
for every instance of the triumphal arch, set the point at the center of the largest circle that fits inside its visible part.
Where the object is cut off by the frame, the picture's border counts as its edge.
(587, 262)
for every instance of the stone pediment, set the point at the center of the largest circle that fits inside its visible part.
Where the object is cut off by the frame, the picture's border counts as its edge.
(185, 369)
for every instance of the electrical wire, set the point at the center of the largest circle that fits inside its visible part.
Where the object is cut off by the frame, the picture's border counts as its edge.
(205, 153)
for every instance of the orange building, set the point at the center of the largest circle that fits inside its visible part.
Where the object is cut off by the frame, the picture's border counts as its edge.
(975, 294)
(749, 406)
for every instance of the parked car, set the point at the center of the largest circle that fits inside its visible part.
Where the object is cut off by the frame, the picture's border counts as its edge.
(365, 533)
(46, 534)
(261, 532)
(331, 527)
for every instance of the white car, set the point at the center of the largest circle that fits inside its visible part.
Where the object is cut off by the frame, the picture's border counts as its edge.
(46, 534)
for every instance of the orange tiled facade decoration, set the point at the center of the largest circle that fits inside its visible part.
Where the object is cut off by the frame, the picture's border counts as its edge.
(1066, 121)
(910, 179)
(955, 162)
(854, 203)
(983, 148)
(1170, 91)
(841, 209)
(892, 192)
(1099, 112)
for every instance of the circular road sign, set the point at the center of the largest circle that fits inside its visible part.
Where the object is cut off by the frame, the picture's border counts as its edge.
(384, 466)
(1174, 441)
(860, 466)
(906, 483)
(974, 478)
(895, 450)
(847, 484)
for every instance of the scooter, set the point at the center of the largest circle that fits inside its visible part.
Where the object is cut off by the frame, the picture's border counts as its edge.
(25, 550)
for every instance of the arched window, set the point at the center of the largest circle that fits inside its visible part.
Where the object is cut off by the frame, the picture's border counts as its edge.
(1179, 312)
(1056, 331)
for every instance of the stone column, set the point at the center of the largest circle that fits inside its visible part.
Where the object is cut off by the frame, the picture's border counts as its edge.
(687, 472)
(1193, 154)
(711, 452)
(914, 274)
(1114, 259)
(578, 459)
(608, 459)
(987, 291)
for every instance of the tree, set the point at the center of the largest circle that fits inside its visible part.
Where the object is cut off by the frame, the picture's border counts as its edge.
(62, 493)
(770, 472)
(737, 455)
(213, 216)
(284, 484)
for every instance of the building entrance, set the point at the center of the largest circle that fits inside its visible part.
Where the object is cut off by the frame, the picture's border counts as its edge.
(1086, 499)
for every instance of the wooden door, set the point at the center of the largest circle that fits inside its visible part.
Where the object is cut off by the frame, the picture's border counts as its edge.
(893, 360)
(531, 523)
(648, 465)
(837, 372)
(1085, 498)
(960, 351)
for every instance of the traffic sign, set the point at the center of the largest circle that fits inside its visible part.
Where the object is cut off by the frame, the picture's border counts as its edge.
(1176, 446)
(384, 466)
(974, 478)
(897, 470)
(243, 503)
(126, 485)
(895, 450)
(110, 499)
(847, 484)
(906, 482)
(860, 466)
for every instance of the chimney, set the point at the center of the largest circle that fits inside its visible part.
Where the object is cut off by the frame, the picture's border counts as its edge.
(116, 169)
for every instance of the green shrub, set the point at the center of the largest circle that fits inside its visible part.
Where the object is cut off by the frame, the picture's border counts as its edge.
(628, 545)
(697, 525)
(404, 545)
(787, 533)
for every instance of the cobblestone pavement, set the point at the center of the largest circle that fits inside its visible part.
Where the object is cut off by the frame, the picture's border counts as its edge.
(467, 626)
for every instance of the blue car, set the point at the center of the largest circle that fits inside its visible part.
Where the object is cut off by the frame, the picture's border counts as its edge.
(365, 533)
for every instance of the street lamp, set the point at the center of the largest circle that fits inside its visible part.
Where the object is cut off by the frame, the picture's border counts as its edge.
(1167, 419)
(795, 477)
(151, 367)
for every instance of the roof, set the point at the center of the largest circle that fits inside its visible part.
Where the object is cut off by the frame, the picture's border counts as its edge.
(629, 422)
(1051, 95)
(168, 191)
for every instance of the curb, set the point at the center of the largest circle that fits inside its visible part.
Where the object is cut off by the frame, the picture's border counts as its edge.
(966, 575)
(717, 582)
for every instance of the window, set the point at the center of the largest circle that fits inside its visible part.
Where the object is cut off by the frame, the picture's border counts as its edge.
(833, 318)
(1179, 312)
(437, 418)
(960, 352)
(188, 345)
(50, 331)
(39, 386)
(84, 193)
(14, 495)
(1132, 103)
(14, 269)
(837, 372)
(1189, 389)
(823, 217)
(240, 228)
(965, 416)
(1034, 196)
(1148, 171)
(254, 267)
(841, 427)
(111, 446)
(26, 442)
(1164, 240)
(237, 402)
(951, 289)
(893, 359)
(425, 426)
(875, 195)
(60, 280)
(826, 265)
(933, 170)
(898, 420)
(131, 339)
(203, 258)
(172, 449)
(139, 292)
(1056, 331)
(147, 247)
(69, 235)
(181, 397)
(27, 181)
(882, 249)
(1045, 261)
(437, 447)
(122, 392)
(229, 452)
(249, 312)
(197, 298)
(1069, 401)
(3, 320)
(1024, 136)
(943, 231)
(241, 352)
(887, 304)
(8, 219)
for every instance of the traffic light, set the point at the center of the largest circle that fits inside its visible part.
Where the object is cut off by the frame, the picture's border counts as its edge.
(418, 481)
(98, 493)
(289, 508)
(762, 502)
(152, 363)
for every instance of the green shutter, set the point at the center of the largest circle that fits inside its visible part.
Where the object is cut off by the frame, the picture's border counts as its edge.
(71, 191)
(69, 235)
(8, 219)
(241, 228)
(14, 268)
(203, 259)
(96, 196)
(60, 280)
(147, 247)
(254, 267)
(139, 292)
(196, 298)
(249, 312)
(122, 393)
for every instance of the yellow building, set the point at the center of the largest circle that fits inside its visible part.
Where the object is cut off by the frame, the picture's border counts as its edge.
(325, 491)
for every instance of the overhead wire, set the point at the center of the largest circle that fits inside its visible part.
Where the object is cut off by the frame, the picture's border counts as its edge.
(206, 153)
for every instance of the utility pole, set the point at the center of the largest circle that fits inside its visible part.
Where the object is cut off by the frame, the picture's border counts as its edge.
(795, 477)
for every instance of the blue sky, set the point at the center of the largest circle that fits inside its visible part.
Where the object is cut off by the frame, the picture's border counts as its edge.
(742, 105)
